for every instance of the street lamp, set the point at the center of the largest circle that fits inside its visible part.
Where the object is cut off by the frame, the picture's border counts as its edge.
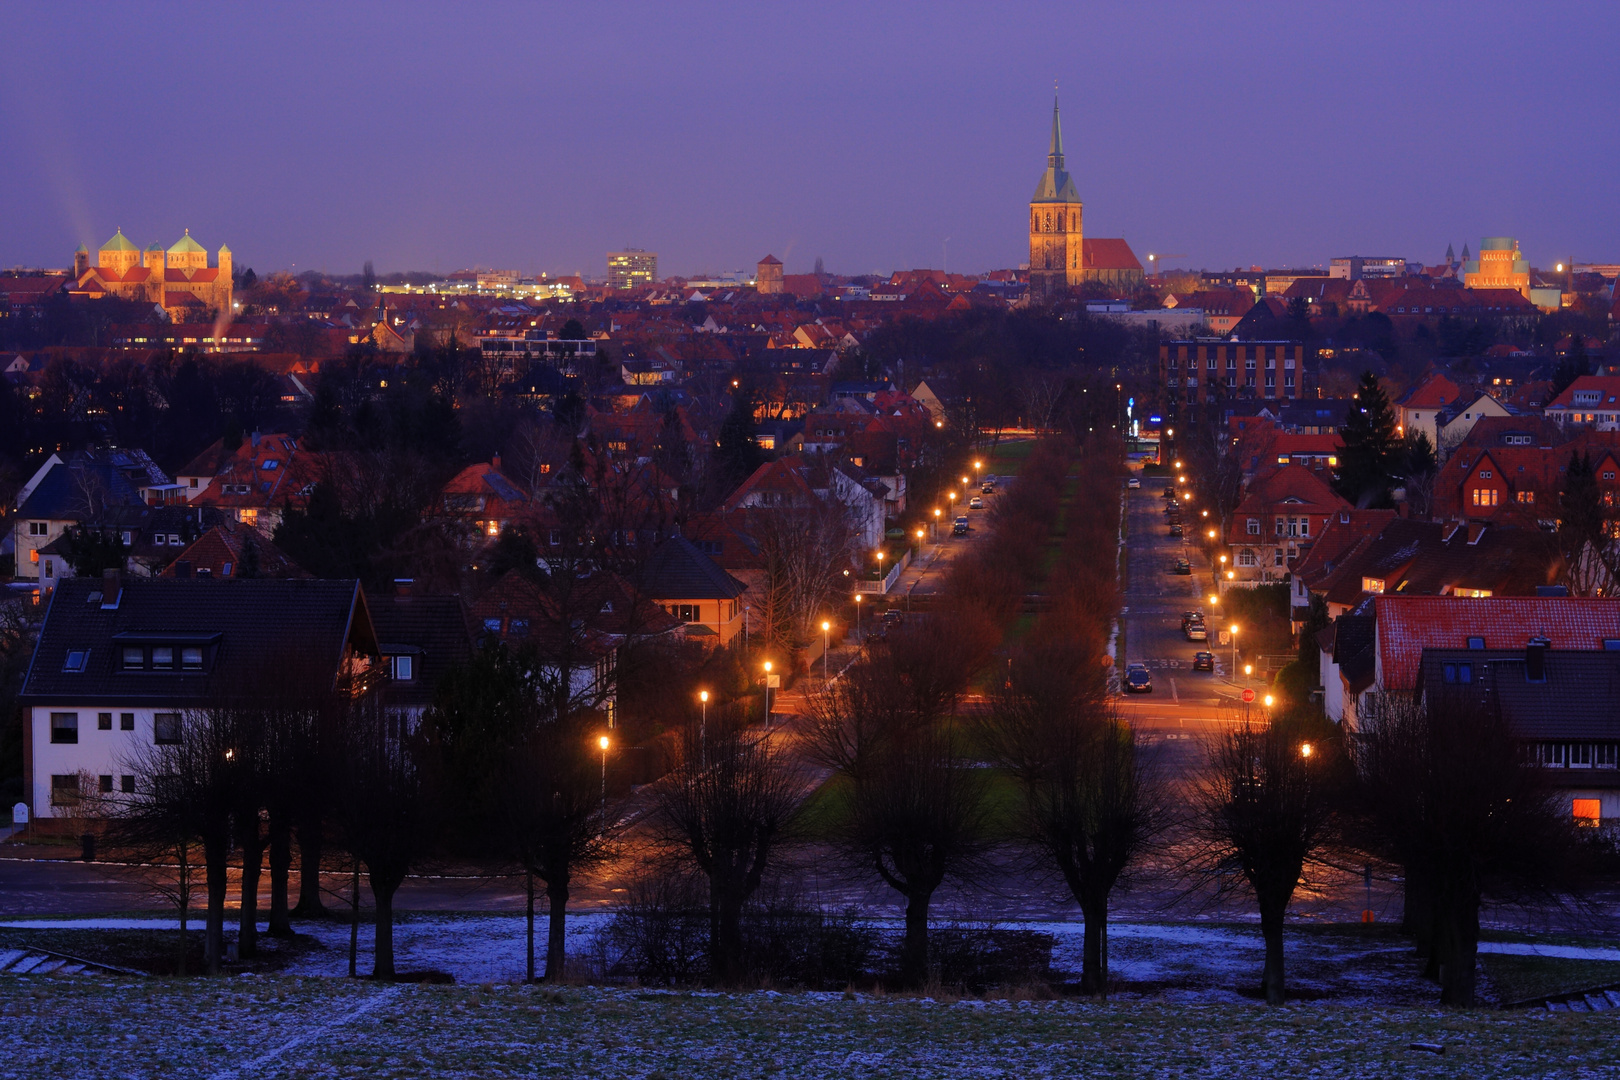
(1270, 701)
(602, 825)
(1214, 600)
(825, 628)
(1248, 670)
(880, 565)
(964, 481)
(703, 729)
(1306, 750)
(1233, 630)
(857, 615)
(936, 523)
(767, 693)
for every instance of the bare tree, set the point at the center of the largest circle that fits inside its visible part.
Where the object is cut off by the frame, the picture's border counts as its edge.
(804, 550)
(381, 809)
(914, 807)
(1265, 806)
(728, 806)
(1091, 801)
(1452, 797)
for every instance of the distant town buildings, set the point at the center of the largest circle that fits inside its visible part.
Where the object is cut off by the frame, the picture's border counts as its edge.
(768, 281)
(631, 268)
(1356, 267)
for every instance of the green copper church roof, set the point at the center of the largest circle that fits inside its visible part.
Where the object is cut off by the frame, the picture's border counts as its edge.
(119, 242)
(1056, 185)
(186, 246)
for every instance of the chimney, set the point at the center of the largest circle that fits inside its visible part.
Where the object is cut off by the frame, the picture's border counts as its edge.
(182, 568)
(403, 586)
(1535, 659)
(255, 440)
(495, 462)
(112, 588)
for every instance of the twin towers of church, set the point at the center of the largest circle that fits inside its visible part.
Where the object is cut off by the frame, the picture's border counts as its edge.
(1060, 258)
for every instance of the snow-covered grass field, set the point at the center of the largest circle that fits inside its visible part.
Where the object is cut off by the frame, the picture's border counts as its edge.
(288, 1026)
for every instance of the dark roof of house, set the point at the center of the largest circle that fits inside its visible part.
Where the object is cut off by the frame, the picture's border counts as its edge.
(1353, 650)
(76, 489)
(432, 629)
(1578, 698)
(677, 570)
(241, 625)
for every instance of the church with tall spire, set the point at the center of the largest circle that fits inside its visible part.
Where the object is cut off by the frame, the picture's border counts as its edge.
(1060, 257)
(1055, 226)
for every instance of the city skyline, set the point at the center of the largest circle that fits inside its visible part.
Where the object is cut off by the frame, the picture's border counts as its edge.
(1268, 137)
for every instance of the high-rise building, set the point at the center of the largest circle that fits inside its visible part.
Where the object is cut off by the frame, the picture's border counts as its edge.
(631, 268)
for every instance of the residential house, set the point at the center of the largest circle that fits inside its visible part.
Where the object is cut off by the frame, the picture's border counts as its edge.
(83, 486)
(1590, 401)
(233, 550)
(120, 660)
(420, 640)
(1562, 704)
(254, 482)
(693, 588)
(1282, 510)
(1418, 409)
(1456, 420)
(484, 498)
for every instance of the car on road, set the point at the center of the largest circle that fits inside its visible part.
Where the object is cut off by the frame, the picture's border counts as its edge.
(1183, 567)
(1188, 617)
(1133, 483)
(959, 527)
(989, 488)
(1196, 632)
(1175, 528)
(1138, 680)
(975, 503)
(1204, 661)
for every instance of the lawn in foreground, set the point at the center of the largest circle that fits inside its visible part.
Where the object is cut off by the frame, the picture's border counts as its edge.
(285, 1027)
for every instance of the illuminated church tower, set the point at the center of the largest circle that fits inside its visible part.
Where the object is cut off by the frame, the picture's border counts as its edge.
(1054, 226)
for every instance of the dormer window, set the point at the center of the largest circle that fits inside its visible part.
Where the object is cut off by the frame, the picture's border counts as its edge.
(134, 658)
(77, 660)
(162, 656)
(191, 658)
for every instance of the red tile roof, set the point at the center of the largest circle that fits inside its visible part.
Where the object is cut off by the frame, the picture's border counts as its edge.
(1409, 624)
(1607, 387)
(1106, 253)
(1431, 393)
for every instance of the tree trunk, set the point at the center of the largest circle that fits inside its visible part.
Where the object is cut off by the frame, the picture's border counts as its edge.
(1417, 918)
(1094, 954)
(180, 969)
(728, 941)
(309, 872)
(1271, 928)
(382, 964)
(215, 851)
(354, 922)
(280, 865)
(528, 890)
(1459, 949)
(914, 950)
(252, 843)
(556, 955)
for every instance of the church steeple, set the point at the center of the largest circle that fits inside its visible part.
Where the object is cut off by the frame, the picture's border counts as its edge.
(1054, 156)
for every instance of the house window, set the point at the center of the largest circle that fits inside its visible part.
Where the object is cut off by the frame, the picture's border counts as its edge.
(163, 656)
(685, 612)
(38, 528)
(404, 668)
(105, 784)
(492, 626)
(1305, 527)
(126, 721)
(166, 728)
(65, 790)
(1476, 643)
(1246, 557)
(1609, 475)
(1484, 474)
(1588, 812)
(77, 660)
(134, 657)
(518, 627)
(1527, 496)
(64, 727)
(1254, 526)
(1486, 496)
(1372, 585)
(1277, 557)
(191, 658)
(104, 721)
(127, 784)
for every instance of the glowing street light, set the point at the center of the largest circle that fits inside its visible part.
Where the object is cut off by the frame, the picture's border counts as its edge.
(602, 825)
(1270, 701)
(767, 693)
(1306, 750)
(826, 627)
(703, 728)
(1233, 631)
(857, 615)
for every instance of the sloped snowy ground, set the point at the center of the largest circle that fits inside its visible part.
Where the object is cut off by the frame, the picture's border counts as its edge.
(302, 1027)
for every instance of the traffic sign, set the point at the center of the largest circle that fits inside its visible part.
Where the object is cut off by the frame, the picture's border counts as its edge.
(1248, 695)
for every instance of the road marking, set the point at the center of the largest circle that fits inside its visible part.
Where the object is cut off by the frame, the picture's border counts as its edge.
(1173, 695)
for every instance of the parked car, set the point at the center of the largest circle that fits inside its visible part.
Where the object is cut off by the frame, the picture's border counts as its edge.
(1138, 680)
(1182, 566)
(1203, 661)
(1189, 617)
(959, 527)
(1133, 483)
(1172, 507)
(1175, 528)
(988, 488)
(1169, 492)
(975, 503)
(1196, 632)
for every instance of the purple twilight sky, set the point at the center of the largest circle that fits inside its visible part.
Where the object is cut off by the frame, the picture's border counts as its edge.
(537, 137)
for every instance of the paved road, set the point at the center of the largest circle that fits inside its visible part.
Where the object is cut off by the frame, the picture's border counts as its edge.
(925, 576)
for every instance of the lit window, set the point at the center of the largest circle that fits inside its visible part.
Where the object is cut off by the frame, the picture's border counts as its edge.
(1588, 812)
(1373, 585)
(403, 668)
